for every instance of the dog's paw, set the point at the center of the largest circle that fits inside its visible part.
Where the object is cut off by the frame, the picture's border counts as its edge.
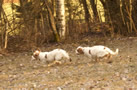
(58, 62)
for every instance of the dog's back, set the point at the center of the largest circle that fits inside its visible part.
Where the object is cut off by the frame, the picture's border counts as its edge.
(102, 51)
(59, 54)
(98, 51)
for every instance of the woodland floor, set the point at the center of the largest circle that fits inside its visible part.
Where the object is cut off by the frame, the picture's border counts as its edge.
(17, 72)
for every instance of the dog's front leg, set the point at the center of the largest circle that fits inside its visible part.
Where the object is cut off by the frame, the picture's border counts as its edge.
(96, 59)
(108, 58)
(55, 62)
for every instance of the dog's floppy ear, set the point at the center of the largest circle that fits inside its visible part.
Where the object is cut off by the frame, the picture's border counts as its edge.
(79, 50)
(46, 56)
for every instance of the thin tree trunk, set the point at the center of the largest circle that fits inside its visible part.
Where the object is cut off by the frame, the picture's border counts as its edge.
(6, 39)
(134, 12)
(1, 21)
(53, 7)
(36, 31)
(7, 29)
(70, 19)
(94, 9)
(52, 24)
(42, 25)
(106, 13)
(60, 12)
(87, 14)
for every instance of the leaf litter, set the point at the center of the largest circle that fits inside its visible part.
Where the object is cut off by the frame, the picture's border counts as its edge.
(18, 72)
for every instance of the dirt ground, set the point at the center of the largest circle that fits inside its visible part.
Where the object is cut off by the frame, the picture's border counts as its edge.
(18, 72)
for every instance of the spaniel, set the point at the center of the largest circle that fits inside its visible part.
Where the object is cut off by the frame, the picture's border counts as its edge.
(56, 55)
(96, 52)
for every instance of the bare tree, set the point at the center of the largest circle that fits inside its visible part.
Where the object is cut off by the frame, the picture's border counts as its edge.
(94, 9)
(87, 14)
(52, 23)
(134, 11)
(60, 12)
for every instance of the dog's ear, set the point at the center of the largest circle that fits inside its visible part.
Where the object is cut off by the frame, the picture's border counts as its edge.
(38, 49)
(80, 51)
(46, 56)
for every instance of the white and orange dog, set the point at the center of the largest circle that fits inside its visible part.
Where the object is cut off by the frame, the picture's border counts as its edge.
(56, 55)
(96, 52)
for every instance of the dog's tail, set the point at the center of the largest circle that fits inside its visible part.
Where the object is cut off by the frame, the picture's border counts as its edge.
(113, 53)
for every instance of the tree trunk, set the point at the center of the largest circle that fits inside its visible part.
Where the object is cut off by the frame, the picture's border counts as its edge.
(7, 28)
(6, 40)
(106, 13)
(36, 31)
(113, 15)
(60, 12)
(52, 24)
(94, 9)
(134, 12)
(87, 14)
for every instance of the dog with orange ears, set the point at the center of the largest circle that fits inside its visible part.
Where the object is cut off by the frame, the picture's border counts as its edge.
(96, 52)
(55, 55)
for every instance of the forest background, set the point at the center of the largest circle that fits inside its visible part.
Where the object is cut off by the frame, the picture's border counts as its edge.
(26, 24)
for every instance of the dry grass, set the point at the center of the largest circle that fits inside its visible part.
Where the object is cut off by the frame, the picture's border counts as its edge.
(17, 72)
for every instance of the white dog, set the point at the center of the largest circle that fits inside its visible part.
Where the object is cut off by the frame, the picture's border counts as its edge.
(55, 55)
(96, 52)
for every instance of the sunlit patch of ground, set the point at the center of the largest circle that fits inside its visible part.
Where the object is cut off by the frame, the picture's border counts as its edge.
(18, 72)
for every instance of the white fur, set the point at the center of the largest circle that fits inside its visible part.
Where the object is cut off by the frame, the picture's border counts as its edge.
(97, 52)
(56, 54)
